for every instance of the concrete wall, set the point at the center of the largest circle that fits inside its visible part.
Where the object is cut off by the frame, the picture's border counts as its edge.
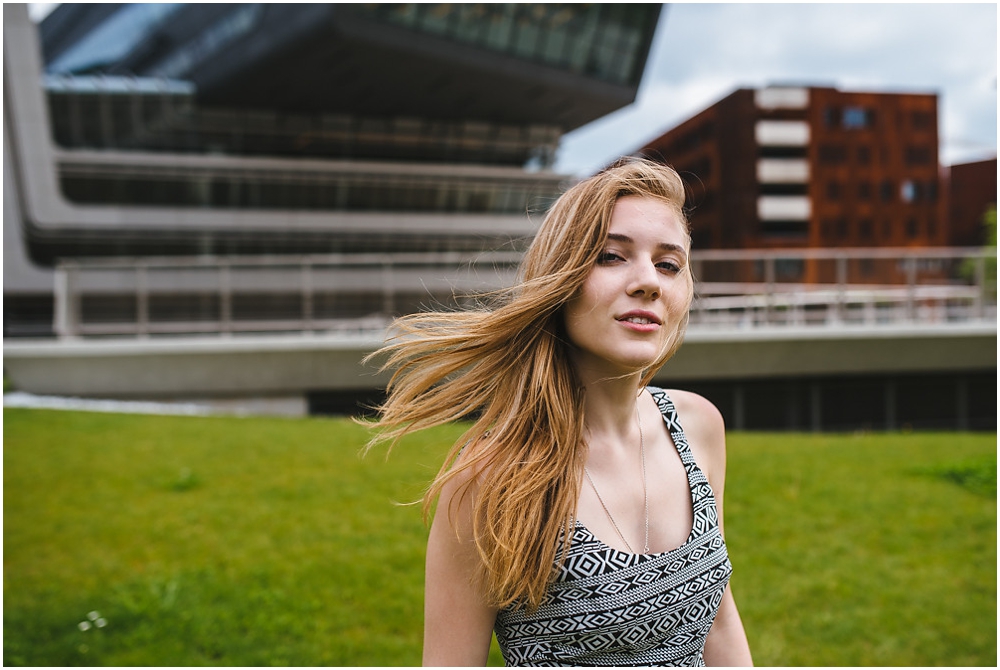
(296, 365)
(804, 351)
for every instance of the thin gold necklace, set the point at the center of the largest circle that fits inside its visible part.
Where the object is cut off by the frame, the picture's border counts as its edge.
(645, 497)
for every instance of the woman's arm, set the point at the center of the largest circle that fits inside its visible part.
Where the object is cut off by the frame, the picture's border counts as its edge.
(727, 641)
(458, 626)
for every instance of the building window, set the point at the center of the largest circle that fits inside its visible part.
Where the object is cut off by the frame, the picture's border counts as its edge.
(918, 155)
(831, 117)
(886, 190)
(864, 155)
(911, 227)
(833, 190)
(694, 138)
(343, 192)
(842, 228)
(864, 190)
(826, 229)
(782, 152)
(832, 154)
(922, 120)
(702, 168)
(865, 230)
(785, 228)
(908, 191)
(856, 118)
(784, 189)
(599, 40)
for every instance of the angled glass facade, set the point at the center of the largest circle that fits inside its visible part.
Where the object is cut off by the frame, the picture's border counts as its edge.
(154, 114)
(599, 40)
(114, 38)
(379, 151)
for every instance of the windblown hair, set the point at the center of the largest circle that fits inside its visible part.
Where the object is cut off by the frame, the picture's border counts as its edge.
(508, 369)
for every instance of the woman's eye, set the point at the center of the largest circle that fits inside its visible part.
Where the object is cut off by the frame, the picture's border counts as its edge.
(608, 257)
(669, 266)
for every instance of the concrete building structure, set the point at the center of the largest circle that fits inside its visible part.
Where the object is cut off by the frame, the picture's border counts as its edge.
(204, 132)
(197, 213)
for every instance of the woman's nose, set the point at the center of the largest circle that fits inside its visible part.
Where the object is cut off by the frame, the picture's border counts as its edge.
(645, 280)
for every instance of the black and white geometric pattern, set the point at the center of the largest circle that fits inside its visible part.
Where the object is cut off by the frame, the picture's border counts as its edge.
(610, 607)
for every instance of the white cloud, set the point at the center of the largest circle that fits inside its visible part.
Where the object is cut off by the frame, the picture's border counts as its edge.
(39, 10)
(703, 52)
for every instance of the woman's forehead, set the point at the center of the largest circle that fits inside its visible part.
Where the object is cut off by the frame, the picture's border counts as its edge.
(652, 214)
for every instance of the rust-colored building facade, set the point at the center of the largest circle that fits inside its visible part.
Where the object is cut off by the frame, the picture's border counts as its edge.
(810, 167)
(972, 189)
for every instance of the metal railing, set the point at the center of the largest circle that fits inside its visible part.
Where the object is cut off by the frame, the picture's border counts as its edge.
(254, 294)
(833, 287)
(141, 297)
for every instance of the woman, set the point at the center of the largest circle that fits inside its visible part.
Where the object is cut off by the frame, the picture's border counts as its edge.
(576, 518)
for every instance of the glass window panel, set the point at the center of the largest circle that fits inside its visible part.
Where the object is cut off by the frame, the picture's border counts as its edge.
(469, 24)
(553, 46)
(115, 37)
(526, 34)
(403, 14)
(501, 22)
(436, 18)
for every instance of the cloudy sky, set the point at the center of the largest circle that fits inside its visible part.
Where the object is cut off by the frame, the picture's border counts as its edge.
(703, 52)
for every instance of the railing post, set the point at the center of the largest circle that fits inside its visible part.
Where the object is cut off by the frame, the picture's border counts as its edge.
(911, 288)
(388, 290)
(869, 317)
(66, 314)
(142, 301)
(225, 299)
(769, 282)
(840, 309)
(307, 296)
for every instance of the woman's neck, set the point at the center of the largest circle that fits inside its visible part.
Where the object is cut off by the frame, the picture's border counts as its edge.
(609, 408)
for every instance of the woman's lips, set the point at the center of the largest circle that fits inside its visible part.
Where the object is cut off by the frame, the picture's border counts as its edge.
(640, 321)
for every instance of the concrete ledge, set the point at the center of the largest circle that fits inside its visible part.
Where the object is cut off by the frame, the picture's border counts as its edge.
(229, 367)
(292, 365)
(805, 351)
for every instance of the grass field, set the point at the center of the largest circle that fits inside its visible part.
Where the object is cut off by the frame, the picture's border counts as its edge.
(139, 540)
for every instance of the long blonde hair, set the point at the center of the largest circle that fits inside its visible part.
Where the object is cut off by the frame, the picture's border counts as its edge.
(508, 370)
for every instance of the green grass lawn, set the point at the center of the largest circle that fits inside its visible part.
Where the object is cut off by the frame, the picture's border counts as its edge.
(260, 541)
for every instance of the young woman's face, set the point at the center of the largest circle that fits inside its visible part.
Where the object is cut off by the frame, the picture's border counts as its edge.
(635, 296)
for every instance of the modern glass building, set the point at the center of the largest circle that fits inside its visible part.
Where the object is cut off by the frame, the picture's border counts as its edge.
(154, 145)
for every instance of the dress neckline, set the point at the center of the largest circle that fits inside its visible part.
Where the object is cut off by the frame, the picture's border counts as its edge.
(687, 462)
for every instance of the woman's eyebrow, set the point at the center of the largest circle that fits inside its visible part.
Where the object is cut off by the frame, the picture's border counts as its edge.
(663, 246)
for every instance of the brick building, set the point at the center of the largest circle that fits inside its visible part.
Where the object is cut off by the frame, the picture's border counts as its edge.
(794, 167)
(972, 189)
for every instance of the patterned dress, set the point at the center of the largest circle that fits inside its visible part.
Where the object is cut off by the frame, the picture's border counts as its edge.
(610, 607)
